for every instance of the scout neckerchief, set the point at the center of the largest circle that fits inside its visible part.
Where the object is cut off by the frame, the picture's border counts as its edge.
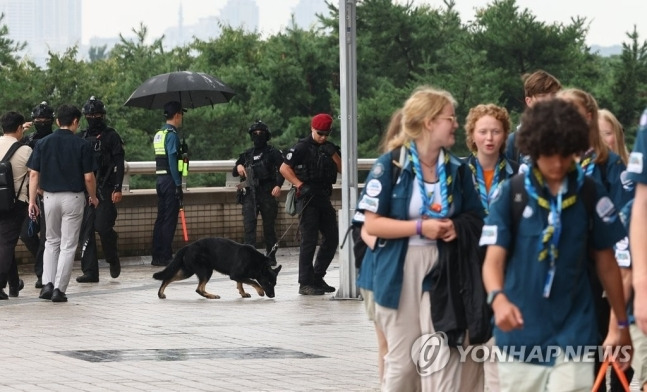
(587, 162)
(477, 169)
(566, 197)
(428, 208)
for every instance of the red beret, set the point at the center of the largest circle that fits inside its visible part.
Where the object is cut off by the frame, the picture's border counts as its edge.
(321, 122)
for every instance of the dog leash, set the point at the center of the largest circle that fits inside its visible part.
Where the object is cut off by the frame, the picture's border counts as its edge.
(276, 245)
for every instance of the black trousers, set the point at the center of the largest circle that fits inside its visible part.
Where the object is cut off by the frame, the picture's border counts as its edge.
(34, 240)
(105, 216)
(317, 216)
(261, 201)
(168, 208)
(10, 225)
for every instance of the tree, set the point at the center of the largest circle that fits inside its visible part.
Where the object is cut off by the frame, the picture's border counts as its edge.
(516, 43)
(629, 90)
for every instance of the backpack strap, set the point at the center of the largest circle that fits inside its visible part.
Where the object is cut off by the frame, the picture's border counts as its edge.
(398, 157)
(588, 194)
(519, 199)
(11, 151)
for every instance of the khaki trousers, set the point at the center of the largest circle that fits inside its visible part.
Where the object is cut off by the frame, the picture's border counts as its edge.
(63, 216)
(405, 325)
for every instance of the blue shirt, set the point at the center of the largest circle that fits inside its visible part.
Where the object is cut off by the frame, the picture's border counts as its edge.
(384, 198)
(637, 167)
(567, 316)
(62, 159)
(509, 170)
(615, 180)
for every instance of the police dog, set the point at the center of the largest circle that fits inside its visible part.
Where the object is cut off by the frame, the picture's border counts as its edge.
(242, 263)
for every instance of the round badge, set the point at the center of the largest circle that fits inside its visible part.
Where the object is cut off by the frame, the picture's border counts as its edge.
(373, 188)
(527, 212)
(378, 170)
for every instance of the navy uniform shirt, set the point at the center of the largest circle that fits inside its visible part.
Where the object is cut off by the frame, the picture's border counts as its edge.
(62, 159)
(384, 198)
(637, 167)
(567, 316)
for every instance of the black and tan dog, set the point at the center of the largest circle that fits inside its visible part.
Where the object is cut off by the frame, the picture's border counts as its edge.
(241, 263)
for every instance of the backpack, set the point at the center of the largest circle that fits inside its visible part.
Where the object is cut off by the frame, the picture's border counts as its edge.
(8, 194)
(519, 198)
(355, 229)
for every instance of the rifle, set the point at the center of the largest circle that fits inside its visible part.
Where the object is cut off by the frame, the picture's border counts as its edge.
(249, 182)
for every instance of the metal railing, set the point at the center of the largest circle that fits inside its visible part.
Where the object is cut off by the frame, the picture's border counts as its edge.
(148, 167)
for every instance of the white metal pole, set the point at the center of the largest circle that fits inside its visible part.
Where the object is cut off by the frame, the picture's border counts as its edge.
(348, 119)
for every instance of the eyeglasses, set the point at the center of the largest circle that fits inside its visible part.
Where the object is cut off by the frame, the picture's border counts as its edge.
(323, 134)
(452, 118)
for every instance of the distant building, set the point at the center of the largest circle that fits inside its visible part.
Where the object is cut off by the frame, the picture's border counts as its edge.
(55, 25)
(305, 12)
(240, 13)
(45, 25)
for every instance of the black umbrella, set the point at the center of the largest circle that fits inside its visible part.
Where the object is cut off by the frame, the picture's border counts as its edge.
(87, 227)
(191, 89)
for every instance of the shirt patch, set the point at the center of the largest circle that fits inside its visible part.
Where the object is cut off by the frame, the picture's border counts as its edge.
(527, 212)
(369, 204)
(627, 184)
(359, 217)
(489, 235)
(606, 210)
(623, 244)
(635, 164)
(378, 170)
(288, 156)
(373, 188)
(623, 257)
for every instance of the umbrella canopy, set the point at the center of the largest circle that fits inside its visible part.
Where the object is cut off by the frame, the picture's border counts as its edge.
(191, 89)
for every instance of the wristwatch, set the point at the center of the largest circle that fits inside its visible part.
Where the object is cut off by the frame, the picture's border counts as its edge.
(491, 295)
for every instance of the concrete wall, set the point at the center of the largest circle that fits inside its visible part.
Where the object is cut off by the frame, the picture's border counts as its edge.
(209, 212)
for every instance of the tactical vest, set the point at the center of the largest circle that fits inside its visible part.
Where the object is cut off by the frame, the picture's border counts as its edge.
(264, 169)
(318, 167)
(161, 159)
(100, 149)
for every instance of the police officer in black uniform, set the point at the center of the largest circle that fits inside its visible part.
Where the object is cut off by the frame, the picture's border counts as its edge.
(312, 166)
(260, 190)
(109, 152)
(43, 118)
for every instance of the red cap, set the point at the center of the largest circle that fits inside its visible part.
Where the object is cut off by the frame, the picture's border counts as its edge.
(321, 122)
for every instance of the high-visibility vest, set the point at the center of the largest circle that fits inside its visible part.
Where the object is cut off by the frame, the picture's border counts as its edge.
(161, 158)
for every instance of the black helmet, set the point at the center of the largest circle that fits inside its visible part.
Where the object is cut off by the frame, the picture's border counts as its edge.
(259, 125)
(93, 106)
(42, 110)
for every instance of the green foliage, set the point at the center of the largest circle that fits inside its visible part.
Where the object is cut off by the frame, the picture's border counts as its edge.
(286, 78)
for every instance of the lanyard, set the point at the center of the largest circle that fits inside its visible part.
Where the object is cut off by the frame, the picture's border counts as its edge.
(477, 169)
(428, 208)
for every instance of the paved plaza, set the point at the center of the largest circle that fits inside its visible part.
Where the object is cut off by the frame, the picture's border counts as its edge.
(116, 335)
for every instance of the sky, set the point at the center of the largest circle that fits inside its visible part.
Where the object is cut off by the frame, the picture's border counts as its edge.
(609, 21)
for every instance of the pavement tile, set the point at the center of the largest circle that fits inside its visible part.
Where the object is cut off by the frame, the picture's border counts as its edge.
(186, 342)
